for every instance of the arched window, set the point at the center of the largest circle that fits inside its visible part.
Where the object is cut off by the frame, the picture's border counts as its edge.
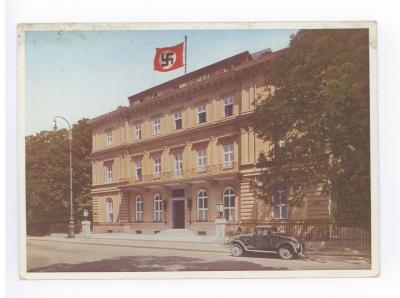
(157, 207)
(139, 209)
(229, 203)
(109, 210)
(202, 205)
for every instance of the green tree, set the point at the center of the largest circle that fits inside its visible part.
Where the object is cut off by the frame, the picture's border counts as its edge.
(47, 173)
(320, 109)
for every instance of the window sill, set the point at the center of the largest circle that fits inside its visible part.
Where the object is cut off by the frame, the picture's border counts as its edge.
(227, 168)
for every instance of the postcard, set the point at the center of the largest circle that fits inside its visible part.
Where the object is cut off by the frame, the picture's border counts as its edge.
(198, 150)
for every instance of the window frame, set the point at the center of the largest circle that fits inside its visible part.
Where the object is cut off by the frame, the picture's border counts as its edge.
(201, 166)
(230, 154)
(109, 173)
(202, 205)
(109, 136)
(157, 166)
(178, 164)
(156, 126)
(139, 210)
(229, 209)
(179, 118)
(281, 204)
(201, 109)
(157, 208)
(228, 103)
(138, 131)
(109, 209)
(138, 177)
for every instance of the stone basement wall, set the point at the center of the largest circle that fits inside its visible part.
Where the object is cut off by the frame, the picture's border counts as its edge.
(198, 228)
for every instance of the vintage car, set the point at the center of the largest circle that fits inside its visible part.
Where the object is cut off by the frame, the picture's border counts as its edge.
(267, 239)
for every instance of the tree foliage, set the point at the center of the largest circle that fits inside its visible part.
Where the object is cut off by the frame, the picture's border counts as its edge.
(320, 108)
(47, 174)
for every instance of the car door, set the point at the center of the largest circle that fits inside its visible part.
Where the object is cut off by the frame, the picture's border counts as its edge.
(262, 241)
(276, 240)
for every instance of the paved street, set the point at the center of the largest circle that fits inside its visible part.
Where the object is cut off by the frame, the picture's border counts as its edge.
(51, 254)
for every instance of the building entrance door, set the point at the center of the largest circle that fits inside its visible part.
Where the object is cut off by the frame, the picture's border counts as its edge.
(178, 209)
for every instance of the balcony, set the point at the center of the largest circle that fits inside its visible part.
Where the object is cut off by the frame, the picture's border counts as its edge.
(198, 173)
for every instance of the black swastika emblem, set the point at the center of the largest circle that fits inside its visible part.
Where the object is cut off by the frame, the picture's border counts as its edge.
(167, 59)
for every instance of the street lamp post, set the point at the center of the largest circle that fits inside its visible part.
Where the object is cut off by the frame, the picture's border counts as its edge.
(71, 227)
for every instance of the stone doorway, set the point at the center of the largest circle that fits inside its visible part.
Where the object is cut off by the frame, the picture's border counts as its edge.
(178, 214)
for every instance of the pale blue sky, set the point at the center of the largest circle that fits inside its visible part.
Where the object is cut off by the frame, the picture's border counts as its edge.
(88, 73)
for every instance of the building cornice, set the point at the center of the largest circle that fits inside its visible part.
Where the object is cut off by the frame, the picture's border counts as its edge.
(238, 72)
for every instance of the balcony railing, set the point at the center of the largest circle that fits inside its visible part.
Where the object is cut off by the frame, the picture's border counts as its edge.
(202, 171)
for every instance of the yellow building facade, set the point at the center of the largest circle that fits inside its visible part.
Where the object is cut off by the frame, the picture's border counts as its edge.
(178, 149)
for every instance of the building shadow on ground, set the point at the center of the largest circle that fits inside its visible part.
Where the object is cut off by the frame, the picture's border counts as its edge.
(153, 264)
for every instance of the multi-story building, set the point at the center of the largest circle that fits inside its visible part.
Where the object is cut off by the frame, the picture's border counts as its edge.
(179, 148)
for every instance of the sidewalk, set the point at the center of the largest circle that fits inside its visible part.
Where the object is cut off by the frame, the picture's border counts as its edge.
(101, 239)
(131, 240)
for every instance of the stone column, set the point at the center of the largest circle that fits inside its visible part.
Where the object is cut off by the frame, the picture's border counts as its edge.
(85, 228)
(220, 229)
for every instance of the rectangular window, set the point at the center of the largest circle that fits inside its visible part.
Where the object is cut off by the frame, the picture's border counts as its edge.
(157, 166)
(109, 210)
(157, 126)
(158, 208)
(178, 120)
(280, 204)
(201, 114)
(202, 205)
(138, 170)
(109, 176)
(109, 138)
(178, 164)
(138, 131)
(228, 106)
(201, 160)
(203, 77)
(228, 156)
(139, 209)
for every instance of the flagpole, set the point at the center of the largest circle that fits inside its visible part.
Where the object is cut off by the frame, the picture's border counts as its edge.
(185, 54)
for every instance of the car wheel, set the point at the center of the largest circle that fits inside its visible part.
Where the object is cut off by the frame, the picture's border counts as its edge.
(286, 252)
(236, 250)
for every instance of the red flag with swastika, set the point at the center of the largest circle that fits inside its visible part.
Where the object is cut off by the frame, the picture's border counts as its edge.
(170, 58)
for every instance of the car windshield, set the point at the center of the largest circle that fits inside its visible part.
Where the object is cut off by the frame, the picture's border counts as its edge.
(262, 232)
